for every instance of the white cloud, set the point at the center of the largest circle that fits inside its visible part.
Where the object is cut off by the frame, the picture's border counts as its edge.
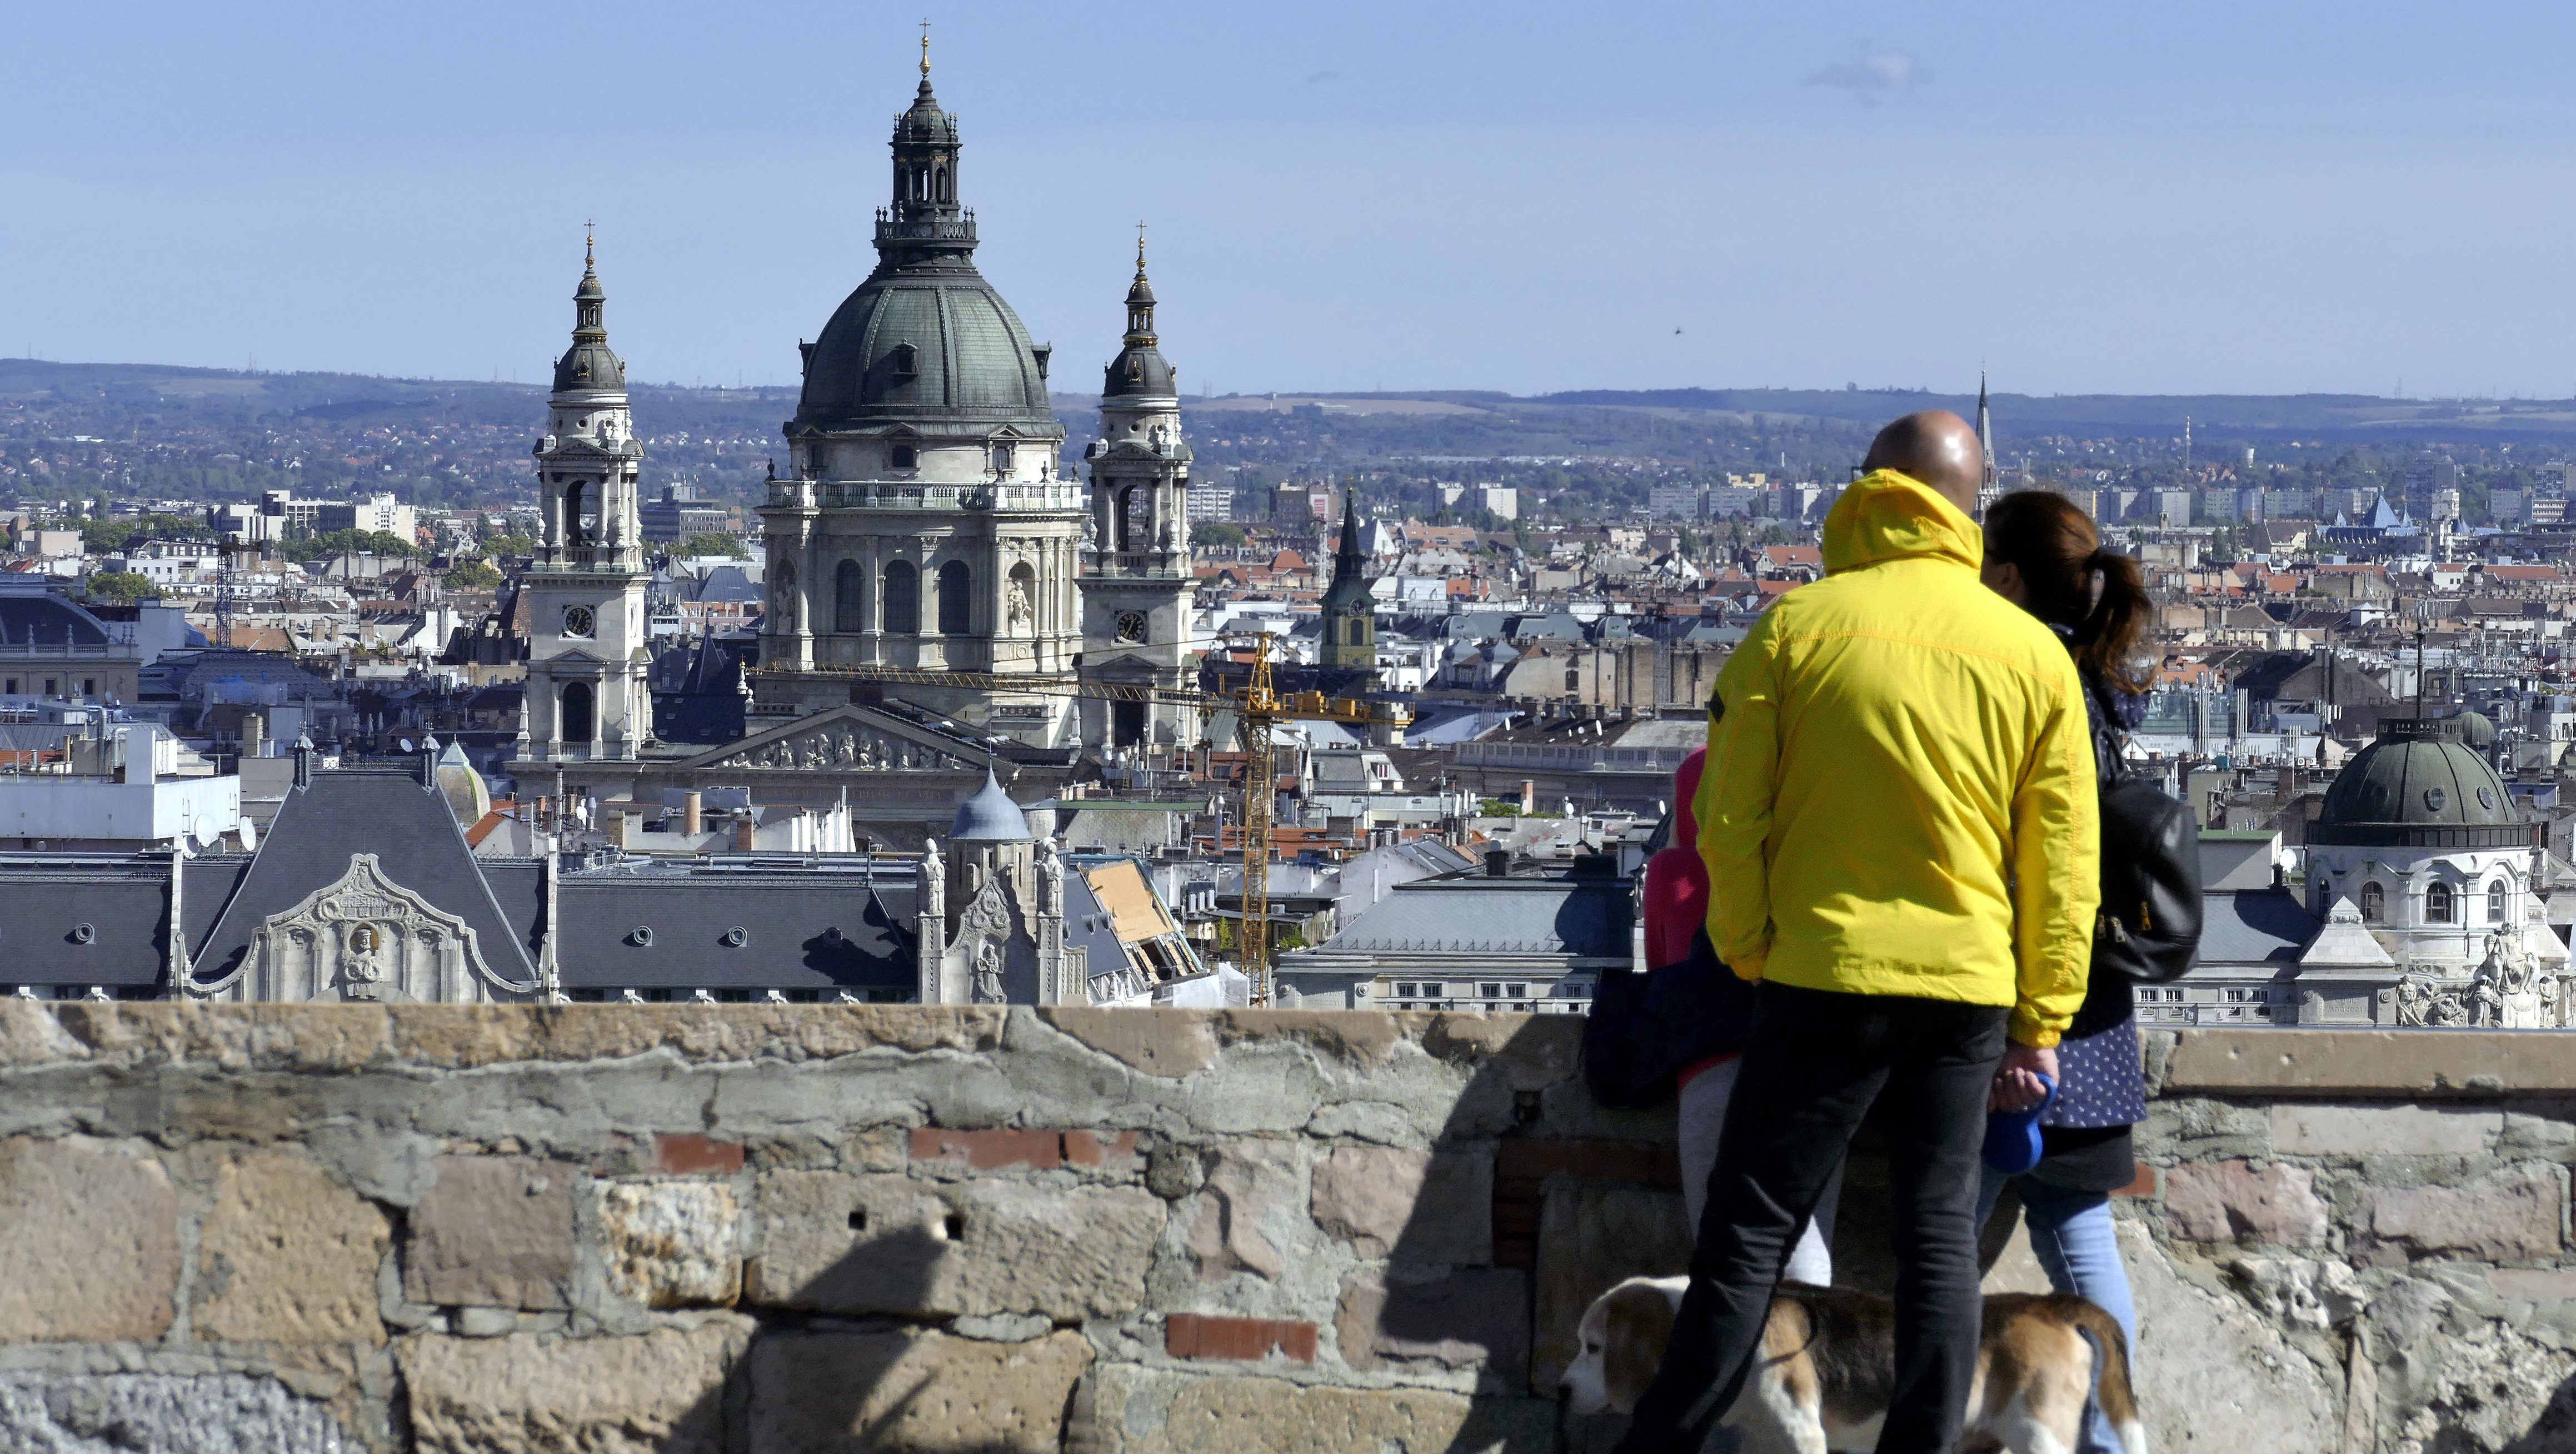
(1878, 73)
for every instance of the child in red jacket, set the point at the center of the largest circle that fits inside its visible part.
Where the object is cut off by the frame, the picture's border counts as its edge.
(1676, 915)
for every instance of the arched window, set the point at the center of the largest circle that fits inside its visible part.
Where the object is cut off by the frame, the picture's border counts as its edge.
(2495, 902)
(849, 601)
(902, 598)
(572, 514)
(903, 363)
(956, 610)
(572, 723)
(2374, 903)
(2437, 904)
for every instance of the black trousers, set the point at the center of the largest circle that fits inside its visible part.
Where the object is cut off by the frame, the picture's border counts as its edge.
(1816, 1063)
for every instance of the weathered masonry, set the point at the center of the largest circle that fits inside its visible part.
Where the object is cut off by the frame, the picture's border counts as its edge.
(791, 1227)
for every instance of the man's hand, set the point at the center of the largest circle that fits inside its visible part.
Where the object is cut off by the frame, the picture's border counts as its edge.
(2017, 1086)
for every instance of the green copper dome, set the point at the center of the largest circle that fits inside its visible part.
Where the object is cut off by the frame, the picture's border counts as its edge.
(2419, 785)
(589, 364)
(925, 342)
(922, 345)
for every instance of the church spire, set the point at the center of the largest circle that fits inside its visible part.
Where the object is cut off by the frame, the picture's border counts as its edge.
(589, 300)
(589, 364)
(925, 154)
(1988, 489)
(1349, 644)
(1140, 300)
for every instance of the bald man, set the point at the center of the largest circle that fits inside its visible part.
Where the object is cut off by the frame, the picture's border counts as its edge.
(1898, 817)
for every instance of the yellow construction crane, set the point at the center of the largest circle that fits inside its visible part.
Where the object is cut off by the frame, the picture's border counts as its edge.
(1258, 708)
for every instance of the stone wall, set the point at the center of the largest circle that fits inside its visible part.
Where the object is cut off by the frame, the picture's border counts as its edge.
(810, 1228)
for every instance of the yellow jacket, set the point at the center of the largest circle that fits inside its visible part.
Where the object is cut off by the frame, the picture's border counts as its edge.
(1899, 797)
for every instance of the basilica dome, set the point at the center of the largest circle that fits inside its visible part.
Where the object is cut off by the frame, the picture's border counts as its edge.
(925, 342)
(2419, 785)
(921, 345)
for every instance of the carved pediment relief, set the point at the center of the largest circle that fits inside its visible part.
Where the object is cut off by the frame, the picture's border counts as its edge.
(844, 745)
(366, 937)
(838, 740)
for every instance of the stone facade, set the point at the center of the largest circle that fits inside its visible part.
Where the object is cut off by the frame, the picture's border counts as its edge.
(742, 1229)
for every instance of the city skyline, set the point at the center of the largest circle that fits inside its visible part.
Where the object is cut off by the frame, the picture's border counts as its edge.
(1340, 199)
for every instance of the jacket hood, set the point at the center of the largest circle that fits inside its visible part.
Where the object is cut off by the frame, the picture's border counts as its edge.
(1885, 515)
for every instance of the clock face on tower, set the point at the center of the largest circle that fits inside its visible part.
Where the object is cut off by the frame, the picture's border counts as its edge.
(579, 621)
(1131, 625)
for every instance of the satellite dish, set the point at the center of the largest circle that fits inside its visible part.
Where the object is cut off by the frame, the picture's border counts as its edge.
(249, 837)
(406, 744)
(203, 830)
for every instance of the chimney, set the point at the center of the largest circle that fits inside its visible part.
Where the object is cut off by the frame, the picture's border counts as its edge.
(692, 813)
(1498, 863)
(1529, 796)
(253, 735)
(742, 831)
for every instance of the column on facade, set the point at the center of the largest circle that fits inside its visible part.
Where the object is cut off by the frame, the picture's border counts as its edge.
(996, 602)
(871, 559)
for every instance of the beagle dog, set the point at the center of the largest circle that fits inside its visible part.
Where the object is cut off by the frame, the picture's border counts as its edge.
(1828, 1368)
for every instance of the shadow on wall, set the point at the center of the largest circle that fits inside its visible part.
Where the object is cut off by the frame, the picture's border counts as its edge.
(837, 1357)
(2552, 1433)
(1532, 1202)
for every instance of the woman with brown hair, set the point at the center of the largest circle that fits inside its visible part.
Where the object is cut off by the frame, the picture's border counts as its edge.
(2044, 555)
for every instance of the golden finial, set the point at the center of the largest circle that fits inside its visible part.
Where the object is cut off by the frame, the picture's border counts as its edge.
(1140, 248)
(589, 242)
(925, 50)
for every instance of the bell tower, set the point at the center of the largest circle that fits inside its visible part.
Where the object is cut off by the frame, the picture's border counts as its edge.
(588, 695)
(1136, 569)
(1348, 655)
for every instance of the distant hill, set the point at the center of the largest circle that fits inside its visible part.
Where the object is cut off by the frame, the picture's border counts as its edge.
(161, 431)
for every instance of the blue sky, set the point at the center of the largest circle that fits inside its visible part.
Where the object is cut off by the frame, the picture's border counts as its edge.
(2181, 197)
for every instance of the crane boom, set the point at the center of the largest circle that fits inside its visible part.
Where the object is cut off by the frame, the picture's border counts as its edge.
(1258, 708)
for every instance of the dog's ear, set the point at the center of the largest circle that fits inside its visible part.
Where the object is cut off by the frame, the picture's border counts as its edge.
(1639, 1322)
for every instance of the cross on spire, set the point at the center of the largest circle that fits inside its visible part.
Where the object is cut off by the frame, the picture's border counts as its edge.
(925, 48)
(1140, 246)
(589, 242)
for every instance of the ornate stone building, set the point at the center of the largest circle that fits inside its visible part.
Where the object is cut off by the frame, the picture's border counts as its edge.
(921, 522)
(2420, 848)
(1136, 568)
(992, 921)
(589, 695)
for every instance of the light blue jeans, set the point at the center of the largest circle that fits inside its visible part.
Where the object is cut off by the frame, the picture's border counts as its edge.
(2070, 1232)
(1703, 1118)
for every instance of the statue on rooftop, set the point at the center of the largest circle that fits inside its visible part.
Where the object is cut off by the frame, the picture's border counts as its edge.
(2413, 1001)
(988, 974)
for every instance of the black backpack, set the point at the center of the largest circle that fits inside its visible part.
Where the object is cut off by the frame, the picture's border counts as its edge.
(2148, 930)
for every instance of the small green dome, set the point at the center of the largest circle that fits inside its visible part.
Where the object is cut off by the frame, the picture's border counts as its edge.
(589, 366)
(2420, 785)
